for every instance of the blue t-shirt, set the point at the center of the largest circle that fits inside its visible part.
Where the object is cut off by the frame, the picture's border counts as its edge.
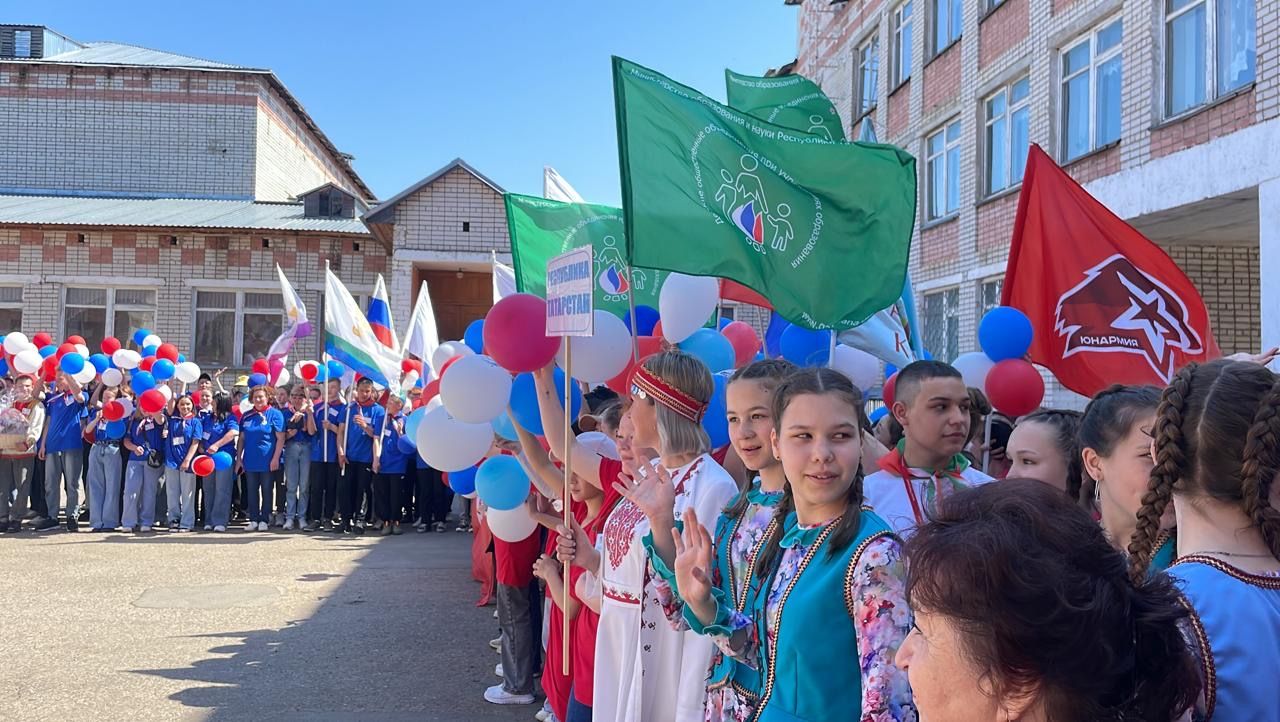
(259, 431)
(146, 434)
(180, 434)
(105, 430)
(334, 412)
(213, 429)
(360, 444)
(394, 460)
(64, 415)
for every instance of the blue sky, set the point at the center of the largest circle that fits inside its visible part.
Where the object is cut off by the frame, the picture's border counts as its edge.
(406, 87)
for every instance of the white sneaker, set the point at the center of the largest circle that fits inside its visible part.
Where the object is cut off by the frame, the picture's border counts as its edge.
(251, 526)
(498, 695)
(497, 670)
(543, 715)
(208, 528)
(288, 525)
(219, 528)
(496, 644)
(262, 526)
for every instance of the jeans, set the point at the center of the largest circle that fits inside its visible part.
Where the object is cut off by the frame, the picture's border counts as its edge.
(104, 485)
(434, 498)
(258, 488)
(217, 493)
(277, 484)
(180, 486)
(578, 712)
(15, 480)
(297, 479)
(517, 639)
(387, 495)
(140, 485)
(57, 465)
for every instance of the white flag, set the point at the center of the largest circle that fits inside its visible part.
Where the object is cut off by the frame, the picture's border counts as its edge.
(556, 188)
(504, 279)
(350, 339)
(421, 338)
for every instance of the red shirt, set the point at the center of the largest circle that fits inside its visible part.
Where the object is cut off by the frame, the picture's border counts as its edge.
(587, 621)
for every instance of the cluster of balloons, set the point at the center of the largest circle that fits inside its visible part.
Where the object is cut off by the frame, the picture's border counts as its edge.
(1012, 384)
(155, 363)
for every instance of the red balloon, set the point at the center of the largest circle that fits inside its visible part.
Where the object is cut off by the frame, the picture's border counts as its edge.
(64, 349)
(447, 364)
(648, 345)
(430, 391)
(259, 367)
(151, 401)
(167, 351)
(113, 411)
(657, 329)
(309, 370)
(49, 370)
(73, 340)
(1014, 387)
(409, 364)
(202, 465)
(887, 391)
(41, 339)
(195, 398)
(514, 334)
(744, 340)
(110, 345)
(146, 363)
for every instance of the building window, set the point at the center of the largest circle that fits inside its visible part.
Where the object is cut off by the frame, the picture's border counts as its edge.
(989, 295)
(942, 324)
(868, 73)
(1008, 114)
(1091, 74)
(947, 19)
(1210, 50)
(901, 43)
(232, 328)
(96, 313)
(11, 307)
(21, 43)
(943, 164)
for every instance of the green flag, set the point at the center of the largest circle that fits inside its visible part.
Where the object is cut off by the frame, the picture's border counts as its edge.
(541, 229)
(821, 229)
(792, 101)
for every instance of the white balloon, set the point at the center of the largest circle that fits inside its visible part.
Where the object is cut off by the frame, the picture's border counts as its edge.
(476, 389)
(112, 377)
(16, 342)
(245, 406)
(448, 444)
(602, 355)
(435, 403)
(27, 360)
(862, 368)
(448, 350)
(125, 401)
(511, 526)
(187, 372)
(152, 340)
(85, 375)
(283, 379)
(165, 391)
(127, 359)
(973, 366)
(685, 303)
(82, 350)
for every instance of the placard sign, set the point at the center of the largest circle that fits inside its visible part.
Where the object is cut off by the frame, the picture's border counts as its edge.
(570, 293)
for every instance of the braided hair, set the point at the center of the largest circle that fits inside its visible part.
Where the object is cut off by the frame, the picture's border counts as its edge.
(1261, 450)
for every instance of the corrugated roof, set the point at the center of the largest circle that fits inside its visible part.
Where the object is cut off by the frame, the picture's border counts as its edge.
(376, 214)
(122, 54)
(168, 213)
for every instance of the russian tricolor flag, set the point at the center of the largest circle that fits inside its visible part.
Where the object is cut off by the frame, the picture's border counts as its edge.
(379, 316)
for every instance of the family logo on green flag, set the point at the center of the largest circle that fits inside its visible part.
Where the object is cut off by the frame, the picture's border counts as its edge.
(822, 229)
(542, 229)
(792, 101)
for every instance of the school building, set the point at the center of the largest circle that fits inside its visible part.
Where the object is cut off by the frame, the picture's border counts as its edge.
(147, 189)
(1165, 110)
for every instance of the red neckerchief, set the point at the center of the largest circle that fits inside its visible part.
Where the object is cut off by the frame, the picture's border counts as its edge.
(895, 464)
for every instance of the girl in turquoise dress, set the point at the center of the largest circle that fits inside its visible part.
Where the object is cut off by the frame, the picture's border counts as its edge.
(829, 568)
(1217, 453)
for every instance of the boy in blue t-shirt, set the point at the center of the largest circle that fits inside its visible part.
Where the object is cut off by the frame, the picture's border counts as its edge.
(62, 449)
(357, 482)
(389, 466)
(327, 457)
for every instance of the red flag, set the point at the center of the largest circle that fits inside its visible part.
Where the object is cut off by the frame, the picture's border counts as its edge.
(735, 291)
(1108, 306)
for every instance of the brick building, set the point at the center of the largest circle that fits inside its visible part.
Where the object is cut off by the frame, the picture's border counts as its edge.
(141, 188)
(1166, 112)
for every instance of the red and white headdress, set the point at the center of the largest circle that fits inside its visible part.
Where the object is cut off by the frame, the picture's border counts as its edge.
(668, 395)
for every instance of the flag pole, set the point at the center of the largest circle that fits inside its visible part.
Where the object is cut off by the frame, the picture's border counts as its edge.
(567, 457)
(631, 304)
(831, 350)
(324, 393)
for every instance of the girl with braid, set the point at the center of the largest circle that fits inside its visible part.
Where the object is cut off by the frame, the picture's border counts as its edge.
(1217, 452)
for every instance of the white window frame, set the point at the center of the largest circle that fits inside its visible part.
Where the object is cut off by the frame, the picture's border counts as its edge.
(237, 341)
(950, 312)
(868, 54)
(1011, 108)
(29, 38)
(947, 147)
(108, 330)
(1211, 90)
(1091, 70)
(983, 285)
(939, 47)
(901, 29)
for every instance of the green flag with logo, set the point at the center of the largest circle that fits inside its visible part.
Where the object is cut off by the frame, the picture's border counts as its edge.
(542, 229)
(822, 229)
(792, 101)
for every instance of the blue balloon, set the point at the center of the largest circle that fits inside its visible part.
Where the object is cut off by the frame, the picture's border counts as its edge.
(47, 351)
(139, 335)
(501, 483)
(182, 359)
(506, 428)
(162, 369)
(724, 322)
(878, 414)
(150, 350)
(646, 319)
(803, 347)
(759, 356)
(524, 401)
(889, 370)
(336, 369)
(4, 367)
(322, 373)
(406, 446)
(254, 379)
(463, 481)
(710, 347)
(927, 356)
(773, 335)
(716, 421)
(1005, 333)
(474, 335)
(412, 422)
(72, 363)
(142, 381)
(101, 362)
(115, 429)
(222, 461)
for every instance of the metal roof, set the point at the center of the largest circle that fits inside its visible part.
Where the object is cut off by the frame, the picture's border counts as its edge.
(122, 54)
(168, 213)
(375, 214)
